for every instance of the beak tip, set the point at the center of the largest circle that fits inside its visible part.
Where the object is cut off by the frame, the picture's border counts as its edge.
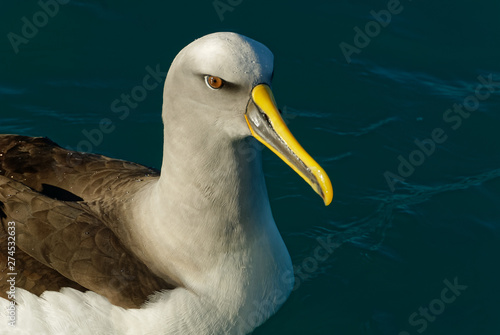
(328, 198)
(325, 189)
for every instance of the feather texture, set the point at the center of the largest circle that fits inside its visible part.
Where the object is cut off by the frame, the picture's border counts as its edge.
(67, 243)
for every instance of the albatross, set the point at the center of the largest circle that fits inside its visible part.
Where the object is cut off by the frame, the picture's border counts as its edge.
(96, 245)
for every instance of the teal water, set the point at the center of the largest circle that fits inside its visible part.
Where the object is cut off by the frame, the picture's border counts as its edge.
(393, 242)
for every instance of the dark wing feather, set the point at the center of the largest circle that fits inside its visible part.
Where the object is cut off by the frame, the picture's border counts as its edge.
(42, 165)
(55, 197)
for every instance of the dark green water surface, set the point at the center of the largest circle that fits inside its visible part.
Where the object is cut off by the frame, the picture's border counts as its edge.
(403, 114)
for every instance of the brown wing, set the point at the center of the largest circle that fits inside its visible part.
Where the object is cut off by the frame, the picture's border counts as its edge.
(62, 240)
(42, 165)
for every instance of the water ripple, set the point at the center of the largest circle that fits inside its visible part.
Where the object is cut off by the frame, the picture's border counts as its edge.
(435, 85)
(361, 131)
(9, 90)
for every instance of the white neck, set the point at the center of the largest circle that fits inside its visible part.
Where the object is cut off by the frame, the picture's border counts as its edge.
(207, 225)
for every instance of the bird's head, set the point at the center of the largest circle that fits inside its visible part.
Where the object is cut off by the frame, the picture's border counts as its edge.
(225, 80)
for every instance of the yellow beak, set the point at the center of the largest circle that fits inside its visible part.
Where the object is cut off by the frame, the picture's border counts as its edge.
(269, 128)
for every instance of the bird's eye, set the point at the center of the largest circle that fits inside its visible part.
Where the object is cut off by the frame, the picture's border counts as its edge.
(214, 82)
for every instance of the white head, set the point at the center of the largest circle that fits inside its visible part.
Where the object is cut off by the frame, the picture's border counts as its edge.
(218, 87)
(239, 61)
